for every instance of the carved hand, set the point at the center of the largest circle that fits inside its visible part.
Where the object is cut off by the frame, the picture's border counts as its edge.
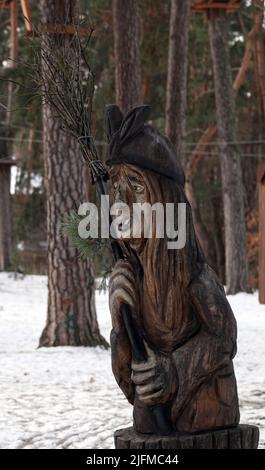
(122, 289)
(155, 379)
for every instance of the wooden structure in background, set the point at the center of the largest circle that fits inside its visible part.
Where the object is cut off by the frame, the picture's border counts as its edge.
(5, 200)
(204, 5)
(57, 28)
(261, 191)
(5, 212)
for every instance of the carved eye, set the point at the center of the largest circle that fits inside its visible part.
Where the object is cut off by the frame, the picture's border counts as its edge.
(138, 188)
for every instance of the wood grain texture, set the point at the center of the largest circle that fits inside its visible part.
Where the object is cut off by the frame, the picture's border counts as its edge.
(181, 309)
(126, 30)
(241, 437)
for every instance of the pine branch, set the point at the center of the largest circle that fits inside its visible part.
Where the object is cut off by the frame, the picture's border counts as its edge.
(94, 248)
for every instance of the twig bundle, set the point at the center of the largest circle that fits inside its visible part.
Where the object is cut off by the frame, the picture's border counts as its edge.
(67, 85)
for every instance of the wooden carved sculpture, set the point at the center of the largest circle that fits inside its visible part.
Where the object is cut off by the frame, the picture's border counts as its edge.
(177, 302)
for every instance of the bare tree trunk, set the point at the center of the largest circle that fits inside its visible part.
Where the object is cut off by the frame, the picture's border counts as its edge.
(252, 39)
(29, 161)
(259, 52)
(13, 55)
(233, 197)
(71, 318)
(218, 238)
(176, 104)
(126, 26)
(176, 96)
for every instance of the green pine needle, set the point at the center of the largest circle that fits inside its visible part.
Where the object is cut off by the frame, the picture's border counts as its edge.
(93, 248)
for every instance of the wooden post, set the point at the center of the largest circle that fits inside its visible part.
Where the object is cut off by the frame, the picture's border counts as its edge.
(261, 185)
(5, 213)
(205, 5)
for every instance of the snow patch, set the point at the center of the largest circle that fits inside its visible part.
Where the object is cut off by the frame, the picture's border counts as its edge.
(66, 397)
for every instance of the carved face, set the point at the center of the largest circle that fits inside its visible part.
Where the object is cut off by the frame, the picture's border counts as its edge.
(128, 187)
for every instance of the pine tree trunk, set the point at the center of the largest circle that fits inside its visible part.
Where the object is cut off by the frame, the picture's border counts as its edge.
(233, 193)
(71, 318)
(126, 27)
(217, 223)
(259, 53)
(176, 97)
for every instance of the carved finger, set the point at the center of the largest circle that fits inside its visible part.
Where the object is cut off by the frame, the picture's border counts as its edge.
(142, 377)
(123, 268)
(119, 281)
(143, 366)
(121, 290)
(149, 388)
(121, 295)
(147, 365)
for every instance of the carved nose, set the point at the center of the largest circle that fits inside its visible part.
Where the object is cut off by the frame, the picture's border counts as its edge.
(120, 195)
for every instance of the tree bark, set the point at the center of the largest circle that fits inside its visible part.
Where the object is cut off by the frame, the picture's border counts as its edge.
(253, 38)
(218, 238)
(126, 27)
(176, 103)
(71, 317)
(13, 56)
(29, 161)
(259, 53)
(176, 95)
(233, 195)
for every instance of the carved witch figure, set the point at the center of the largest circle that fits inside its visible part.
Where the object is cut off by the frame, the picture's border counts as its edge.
(176, 299)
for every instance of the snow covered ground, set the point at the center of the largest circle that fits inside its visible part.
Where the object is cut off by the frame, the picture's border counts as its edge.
(67, 397)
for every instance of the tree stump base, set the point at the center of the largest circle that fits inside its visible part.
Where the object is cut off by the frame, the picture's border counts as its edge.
(241, 437)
